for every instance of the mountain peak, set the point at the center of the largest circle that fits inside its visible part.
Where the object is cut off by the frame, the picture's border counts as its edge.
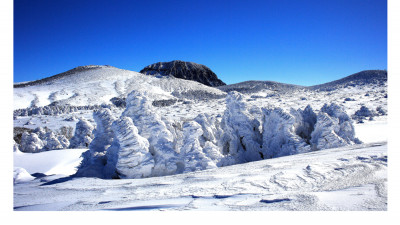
(184, 70)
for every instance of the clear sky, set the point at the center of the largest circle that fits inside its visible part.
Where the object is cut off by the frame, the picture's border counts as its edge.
(303, 42)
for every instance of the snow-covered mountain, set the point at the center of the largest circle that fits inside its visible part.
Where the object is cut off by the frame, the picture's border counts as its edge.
(96, 85)
(133, 125)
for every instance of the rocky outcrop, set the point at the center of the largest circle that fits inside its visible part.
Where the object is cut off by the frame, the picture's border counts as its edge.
(184, 70)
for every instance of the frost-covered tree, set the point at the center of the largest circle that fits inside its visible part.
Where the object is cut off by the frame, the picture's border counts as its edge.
(103, 134)
(132, 159)
(212, 133)
(242, 138)
(52, 142)
(304, 122)
(191, 152)
(363, 113)
(83, 134)
(153, 128)
(279, 134)
(333, 128)
(31, 143)
(15, 147)
(211, 128)
(94, 160)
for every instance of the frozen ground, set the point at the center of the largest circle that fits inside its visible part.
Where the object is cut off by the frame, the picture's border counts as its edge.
(349, 178)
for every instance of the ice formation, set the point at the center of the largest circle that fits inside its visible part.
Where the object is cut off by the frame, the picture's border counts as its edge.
(334, 128)
(94, 160)
(192, 152)
(143, 144)
(242, 138)
(152, 127)
(279, 134)
(133, 159)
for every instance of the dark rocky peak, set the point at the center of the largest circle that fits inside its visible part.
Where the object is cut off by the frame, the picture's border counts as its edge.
(184, 70)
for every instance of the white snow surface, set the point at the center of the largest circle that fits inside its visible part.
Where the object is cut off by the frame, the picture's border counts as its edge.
(98, 86)
(346, 178)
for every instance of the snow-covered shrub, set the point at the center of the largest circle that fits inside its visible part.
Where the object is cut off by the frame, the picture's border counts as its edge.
(152, 127)
(349, 99)
(118, 102)
(163, 102)
(363, 113)
(333, 129)
(52, 141)
(94, 160)
(279, 134)
(18, 131)
(132, 159)
(103, 134)
(211, 128)
(66, 131)
(241, 138)
(191, 152)
(83, 134)
(31, 143)
(15, 147)
(381, 111)
(197, 95)
(305, 122)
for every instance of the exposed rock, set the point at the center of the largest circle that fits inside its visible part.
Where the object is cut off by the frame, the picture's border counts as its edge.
(184, 70)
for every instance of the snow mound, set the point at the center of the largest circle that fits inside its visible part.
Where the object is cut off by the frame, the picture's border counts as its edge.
(21, 175)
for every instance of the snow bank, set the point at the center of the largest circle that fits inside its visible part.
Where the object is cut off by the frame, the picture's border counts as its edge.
(21, 175)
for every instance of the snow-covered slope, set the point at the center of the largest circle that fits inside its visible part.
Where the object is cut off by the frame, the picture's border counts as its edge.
(347, 178)
(93, 85)
(194, 127)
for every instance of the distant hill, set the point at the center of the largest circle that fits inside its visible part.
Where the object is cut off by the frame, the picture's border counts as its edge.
(184, 70)
(60, 75)
(365, 77)
(256, 86)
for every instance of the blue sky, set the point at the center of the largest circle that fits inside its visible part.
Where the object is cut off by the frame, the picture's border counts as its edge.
(303, 42)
